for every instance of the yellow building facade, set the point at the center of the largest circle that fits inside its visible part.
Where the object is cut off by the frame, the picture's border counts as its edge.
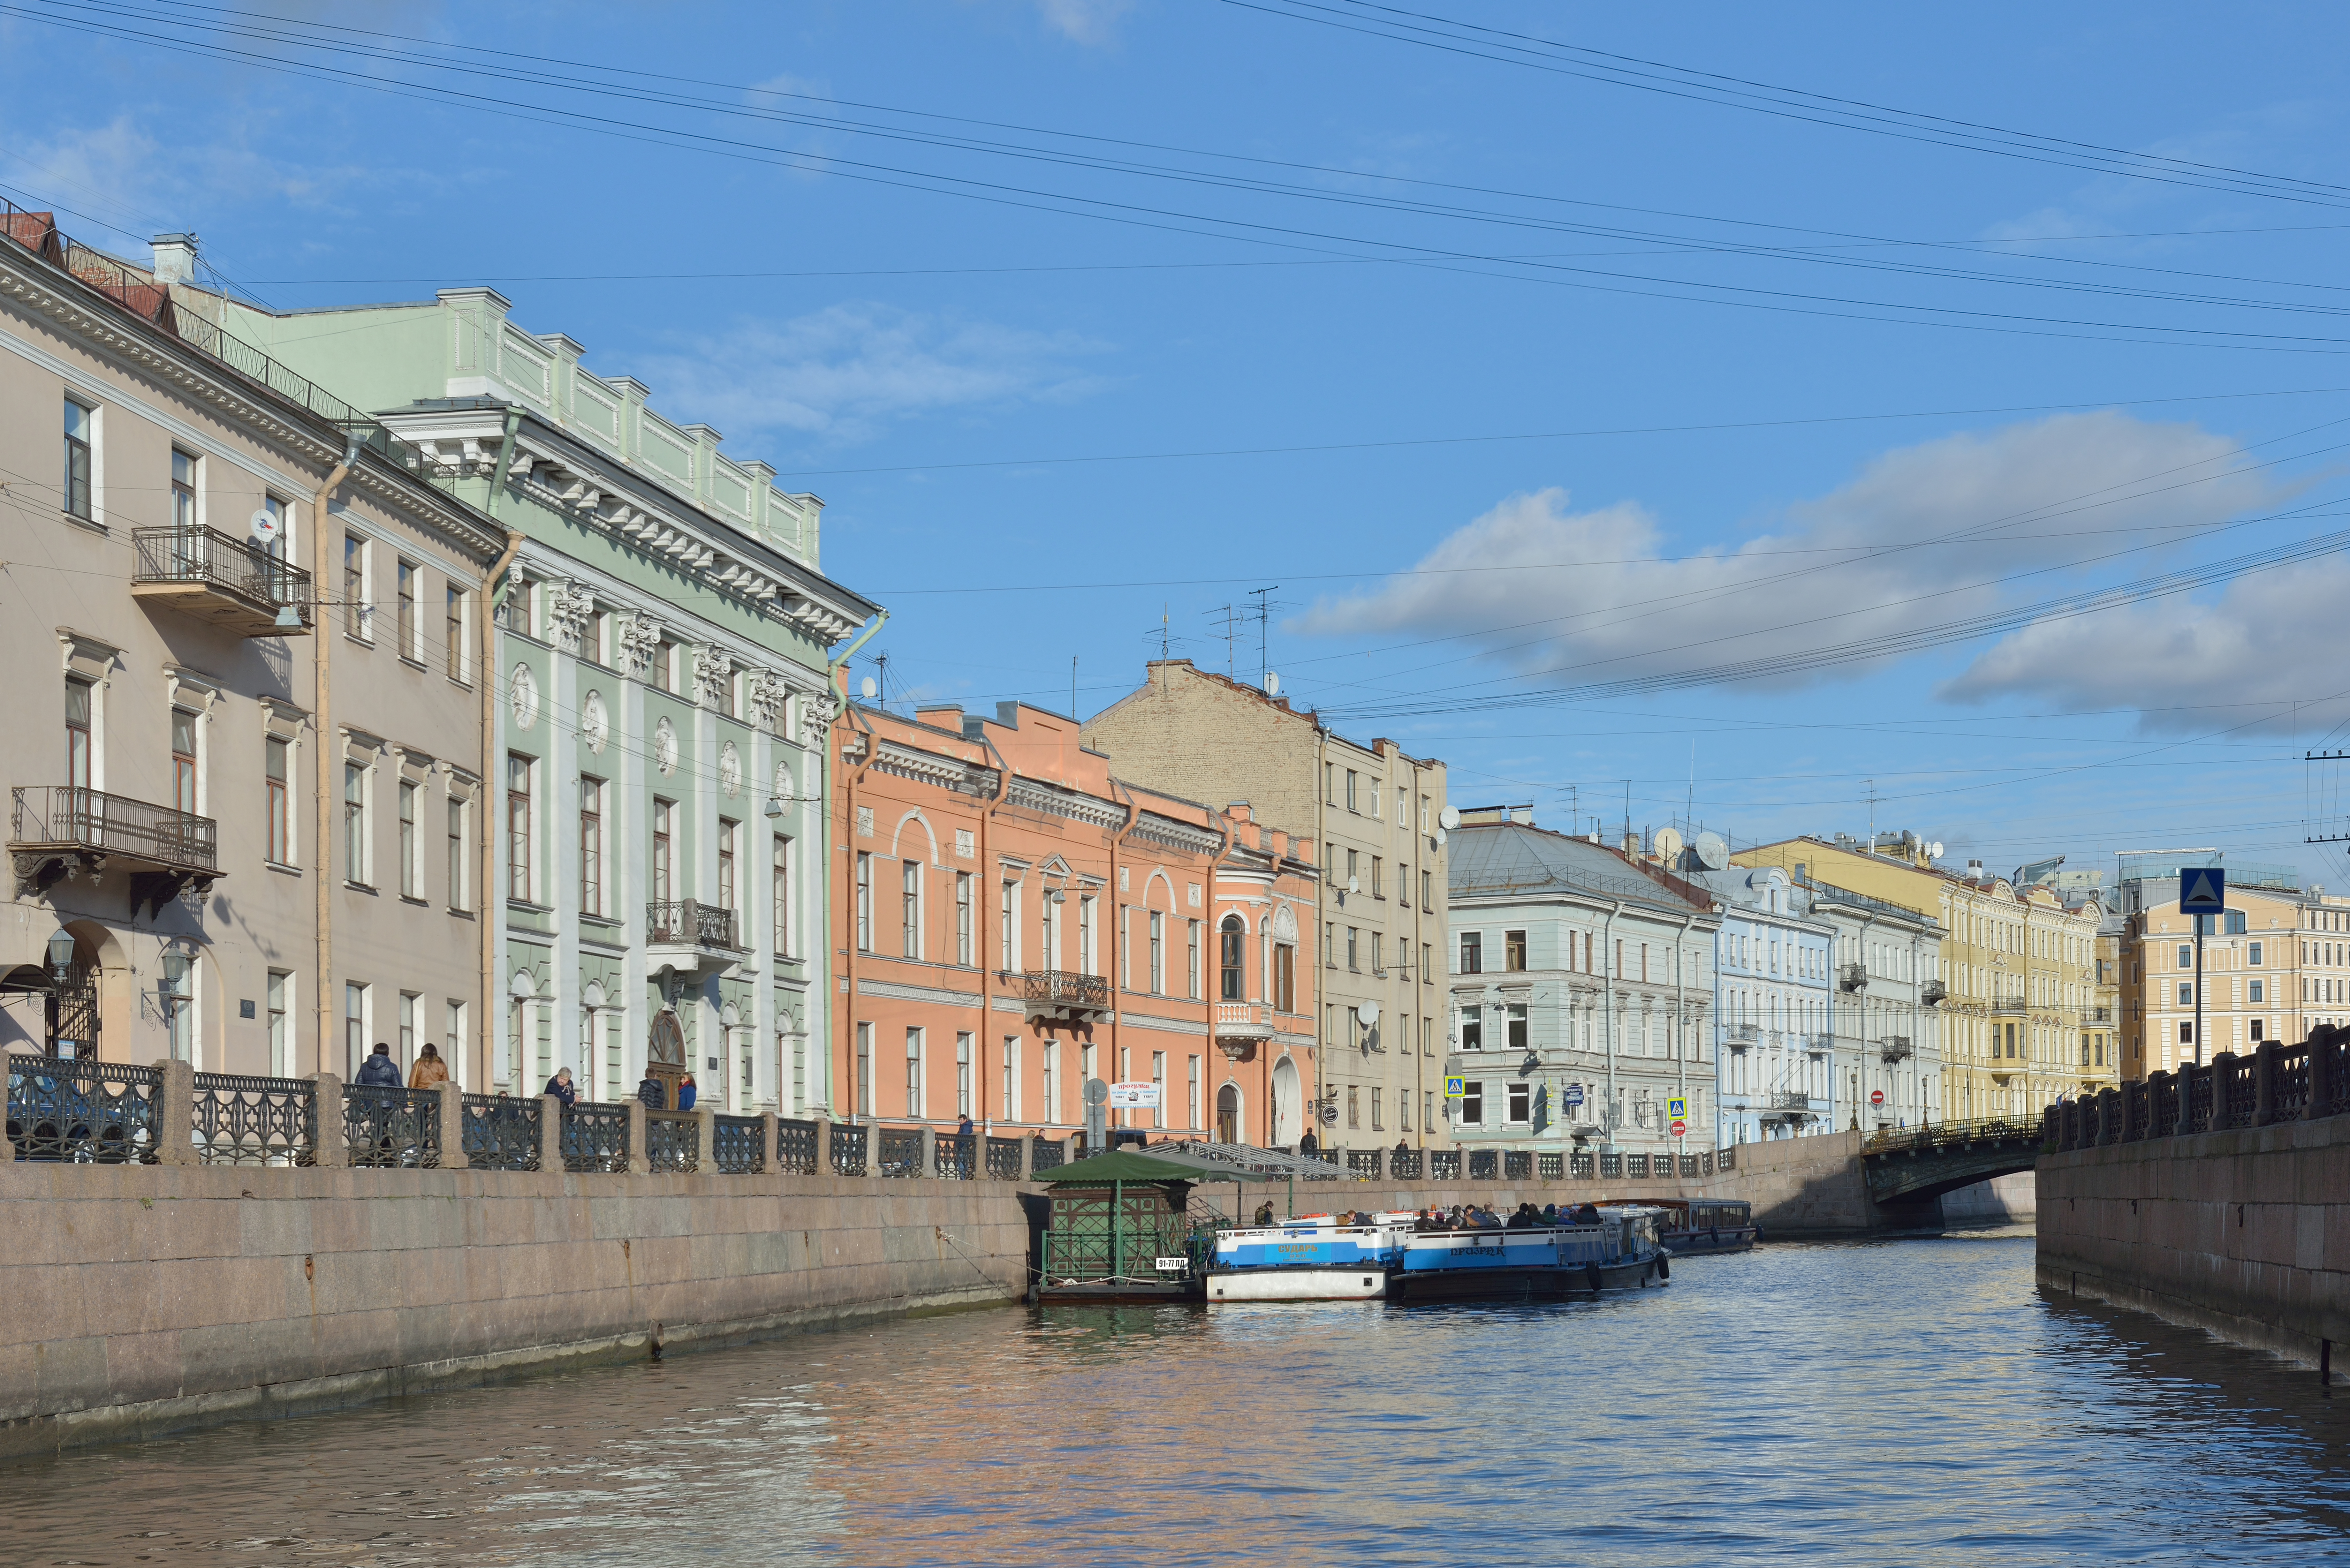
(2275, 966)
(2021, 1026)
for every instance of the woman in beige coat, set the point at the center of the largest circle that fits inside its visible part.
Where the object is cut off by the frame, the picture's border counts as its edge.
(429, 1069)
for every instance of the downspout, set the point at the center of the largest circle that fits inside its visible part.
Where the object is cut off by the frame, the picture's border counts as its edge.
(848, 875)
(492, 1024)
(978, 895)
(322, 687)
(1861, 1093)
(836, 690)
(1323, 884)
(1133, 815)
(1607, 1018)
(1680, 1012)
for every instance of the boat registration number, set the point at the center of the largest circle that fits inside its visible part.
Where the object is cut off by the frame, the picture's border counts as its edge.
(1170, 1265)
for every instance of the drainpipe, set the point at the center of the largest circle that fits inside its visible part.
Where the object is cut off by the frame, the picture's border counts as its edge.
(848, 875)
(836, 690)
(492, 1024)
(1322, 889)
(1133, 815)
(1680, 1009)
(979, 895)
(1860, 1095)
(322, 687)
(1608, 1017)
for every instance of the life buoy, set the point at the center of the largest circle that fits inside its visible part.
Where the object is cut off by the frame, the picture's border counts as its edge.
(1591, 1277)
(1664, 1267)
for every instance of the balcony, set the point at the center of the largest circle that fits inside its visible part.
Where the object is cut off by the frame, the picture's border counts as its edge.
(1933, 993)
(232, 583)
(1854, 977)
(688, 936)
(1240, 1027)
(1743, 1035)
(2013, 1003)
(1894, 1048)
(1060, 995)
(57, 831)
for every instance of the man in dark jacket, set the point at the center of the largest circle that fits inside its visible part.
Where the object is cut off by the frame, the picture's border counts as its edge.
(651, 1093)
(380, 1071)
(1309, 1146)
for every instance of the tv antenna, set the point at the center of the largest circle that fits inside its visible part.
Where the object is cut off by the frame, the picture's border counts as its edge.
(1234, 617)
(1263, 614)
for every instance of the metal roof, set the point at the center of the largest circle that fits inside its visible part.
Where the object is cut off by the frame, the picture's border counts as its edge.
(1501, 860)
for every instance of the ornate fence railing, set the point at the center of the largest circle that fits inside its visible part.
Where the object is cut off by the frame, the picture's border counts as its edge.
(238, 1120)
(1003, 1159)
(1445, 1165)
(1636, 1165)
(1517, 1165)
(1583, 1166)
(1408, 1164)
(593, 1137)
(958, 1153)
(392, 1129)
(1611, 1167)
(673, 1142)
(2277, 1083)
(900, 1150)
(1549, 1165)
(500, 1132)
(738, 1145)
(102, 1112)
(64, 817)
(1049, 1155)
(849, 1145)
(795, 1146)
(1362, 1162)
(1484, 1165)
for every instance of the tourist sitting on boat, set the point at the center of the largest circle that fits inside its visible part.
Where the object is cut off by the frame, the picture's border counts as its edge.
(1526, 1219)
(1586, 1214)
(1265, 1212)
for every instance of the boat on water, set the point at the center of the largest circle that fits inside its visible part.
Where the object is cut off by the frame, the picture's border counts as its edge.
(1618, 1251)
(1314, 1258)
(1699, 1225)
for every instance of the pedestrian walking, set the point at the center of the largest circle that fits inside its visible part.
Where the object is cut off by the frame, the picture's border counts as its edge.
(966, 1143)
(651, 1093)
(685, 1093)
(380, 1071)
(429, 1071)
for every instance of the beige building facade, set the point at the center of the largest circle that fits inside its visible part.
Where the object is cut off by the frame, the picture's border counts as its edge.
(1377, 815)
(246, 753)
(2275, 965)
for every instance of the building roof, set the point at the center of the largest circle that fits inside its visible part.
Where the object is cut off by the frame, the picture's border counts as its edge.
(1504, 858)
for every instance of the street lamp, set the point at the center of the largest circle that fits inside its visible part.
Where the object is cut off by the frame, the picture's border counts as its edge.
(62, 954)
(175, 976)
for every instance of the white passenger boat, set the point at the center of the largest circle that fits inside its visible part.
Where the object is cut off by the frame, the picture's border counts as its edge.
(1620, 1252)
(1311, 1259)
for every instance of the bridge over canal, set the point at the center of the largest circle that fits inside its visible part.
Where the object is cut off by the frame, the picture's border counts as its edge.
(1907, 1171)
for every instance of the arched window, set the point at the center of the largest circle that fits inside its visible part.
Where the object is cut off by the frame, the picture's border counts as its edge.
(1234, 958)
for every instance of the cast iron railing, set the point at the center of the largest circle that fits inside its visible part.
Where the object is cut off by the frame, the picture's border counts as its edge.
(1003, 1159)
(1938, 1135)
(499, 1131)
(1517, 1165)
(2277, 1083)
(394, 1128)
(238, 1120)
(691, 921)
(958, 1154)
(207, 556)
(1725, 1159)
(1064, 988)
(594, 1136)
(1549, 1165)
(90, 1111)
(849, 1145)
(1407, 1165)
(1445, 1165)
(1049, 1155)
(1484, 1165)
(1611, 1167)
(738, 1145)
(673, 1142)
(1362, 1162)
(1583, 1166)
(795, 1146)
(900, 1150)
(63, 816)
(1636, 1165)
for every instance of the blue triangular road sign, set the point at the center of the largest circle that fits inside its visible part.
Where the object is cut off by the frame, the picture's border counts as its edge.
(2202, 891)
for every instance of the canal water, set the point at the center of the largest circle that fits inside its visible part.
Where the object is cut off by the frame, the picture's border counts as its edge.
(1914, 1401)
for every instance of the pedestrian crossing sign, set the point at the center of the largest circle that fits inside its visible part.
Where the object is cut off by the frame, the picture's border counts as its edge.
(2202, 890)
(1453, 1090)
(1677, 1108)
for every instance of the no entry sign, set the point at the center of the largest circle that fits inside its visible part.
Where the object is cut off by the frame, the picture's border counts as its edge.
(1876, 1096)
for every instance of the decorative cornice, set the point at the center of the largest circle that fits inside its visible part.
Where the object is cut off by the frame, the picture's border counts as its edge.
(1035, 796)
(1167, 833)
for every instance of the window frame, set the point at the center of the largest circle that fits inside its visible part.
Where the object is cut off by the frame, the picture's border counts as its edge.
(521, 862)
(80, 480)
(592, 880)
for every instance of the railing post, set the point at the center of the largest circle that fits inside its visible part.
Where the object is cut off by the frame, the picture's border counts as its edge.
(640, 1156)
(175, 1111)
(550, 1135)
(930, 1150)
(2223, 1077)
(2320, 1080)
(2157, 1089)
(452, 1125)
(333, 1150)
(771, 1134)
(2264, 1084)
(824, 1146)
(1027, 1159)
(705, 1126)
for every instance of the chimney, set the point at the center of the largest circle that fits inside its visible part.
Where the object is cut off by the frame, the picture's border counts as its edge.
(175, 258)
(945, 716)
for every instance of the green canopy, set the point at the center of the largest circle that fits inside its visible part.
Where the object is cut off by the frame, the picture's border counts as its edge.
(1126, 1165)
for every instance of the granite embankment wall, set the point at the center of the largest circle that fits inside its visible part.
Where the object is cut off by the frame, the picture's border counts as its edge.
(2245, 1232)
(138, 1298)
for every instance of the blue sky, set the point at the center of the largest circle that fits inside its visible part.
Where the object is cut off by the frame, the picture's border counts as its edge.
(1588, 429)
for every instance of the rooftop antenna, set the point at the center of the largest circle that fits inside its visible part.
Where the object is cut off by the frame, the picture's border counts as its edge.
(1688, 813)
(1628, 810)
(1073, 686)
(1166, 636)
(1232, 617)
(1264, 607)
(882, 670)
(1872, 814)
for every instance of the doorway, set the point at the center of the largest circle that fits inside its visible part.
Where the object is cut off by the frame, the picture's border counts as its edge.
(1228, 1114)
(1286, 1129)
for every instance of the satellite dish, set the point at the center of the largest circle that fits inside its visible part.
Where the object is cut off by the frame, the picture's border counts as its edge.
(1713, 850)
(265, 526)
(1096, 1092)
(1669, 844)
(1354, 884)
(1440, 839)
(869, 687)
(1273, 683)
(1369, 1013)
(1450, 817)
(1934, 851)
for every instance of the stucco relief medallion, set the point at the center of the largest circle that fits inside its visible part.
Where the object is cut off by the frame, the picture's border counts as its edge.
(523, 693)
(594, 727)
(730, 769)
(665, 746)
(785, 789)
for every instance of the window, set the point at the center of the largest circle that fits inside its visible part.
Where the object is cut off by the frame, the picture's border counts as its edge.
(410, 627)
(864, 901)
(1285, 977)
(1378, 875)
(2255, 957)
(79, 699)
(457, 880)
(1427, 894)
(518, 883)
(81, 423)
(1473, 1103)
(730, 853)
(183, 761)
(1354, 949)
(865, 1069)
(1352, 868)
(664, 860)
(591, 845)
(2186, 993)
(665, 666)
(2235, 922)
(1354, 1111)
(1350, 801)
(1158, 1080)
(1191, 1095)
(962, 1074)
(2186, 956)
(354, 1011)
(1472, 1028)
(2187, 1034)
(1008, 927)
(411, 851)
(355, 844)
(1472, 953)
(1158, 953)
(914, 1073)
(1233, 943)
(780, 893)
(452, 1043)
(274, 768)
(1513, 950)
(1517, 1025)
(1378, 1123)
(183, 493)
(964, 918)
(909, 907)
(1520, 1102)
(454, 628)
(411, 1020)
(1403, 1097)
(2255, 993)
(1009, 1105)
(1191, 962)
(281, 1034)
(2259, 1027)
(355, 585)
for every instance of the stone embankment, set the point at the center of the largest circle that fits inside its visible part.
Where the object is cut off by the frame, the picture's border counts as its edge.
(2218, 1197)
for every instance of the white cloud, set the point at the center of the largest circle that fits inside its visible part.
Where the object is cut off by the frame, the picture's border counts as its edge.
(844, 371)
(2185, 665)
(1084, 21)
(123, 174)
(1582, 597)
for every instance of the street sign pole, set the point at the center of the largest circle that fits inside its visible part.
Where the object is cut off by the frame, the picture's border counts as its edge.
(2202, 893)
(2199, 991)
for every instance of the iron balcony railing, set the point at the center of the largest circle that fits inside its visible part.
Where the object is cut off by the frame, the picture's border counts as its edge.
(58, 817)
(1894, 1047)
(1855, 977)
(691, 921)
(233, 565)
(1933, 993)
(1065, 988)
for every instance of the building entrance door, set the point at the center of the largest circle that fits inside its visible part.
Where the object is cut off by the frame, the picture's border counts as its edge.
(665, 1061)
(1228, 1114)
(73, 1014)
